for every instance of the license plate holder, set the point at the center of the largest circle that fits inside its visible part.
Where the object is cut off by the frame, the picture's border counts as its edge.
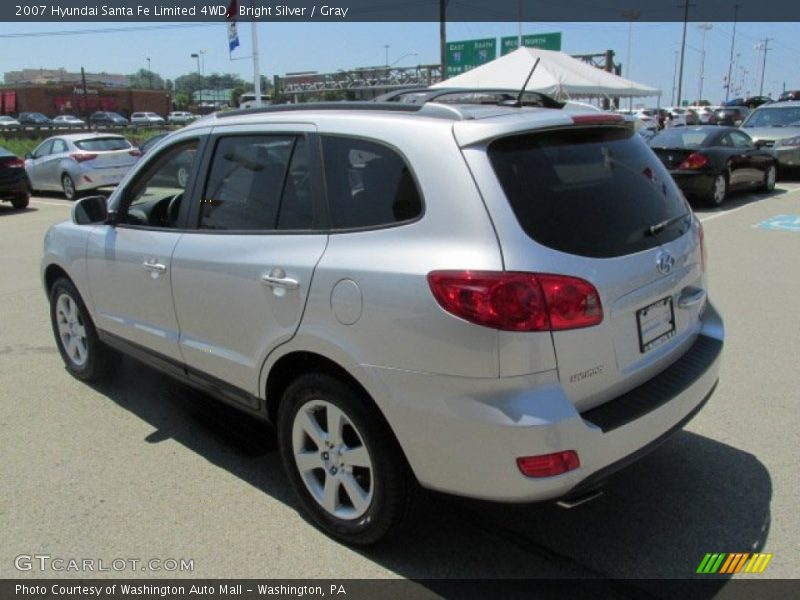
(655, 323)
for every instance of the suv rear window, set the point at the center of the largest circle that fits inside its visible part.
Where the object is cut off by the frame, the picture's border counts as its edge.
(593, 193)
(102, 144)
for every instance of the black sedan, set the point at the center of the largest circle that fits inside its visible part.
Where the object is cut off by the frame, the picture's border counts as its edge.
(33, 119)
(107, 118)
(14, 186)
(707, 162)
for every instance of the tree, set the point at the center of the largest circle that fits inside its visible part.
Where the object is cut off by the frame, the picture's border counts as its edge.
(236, 93)
(144, 79)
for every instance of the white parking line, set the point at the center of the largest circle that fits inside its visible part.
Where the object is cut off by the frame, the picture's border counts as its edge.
(723, 212)
(51, 203)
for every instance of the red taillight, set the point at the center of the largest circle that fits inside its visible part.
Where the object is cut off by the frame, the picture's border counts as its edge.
(548, 465)
(135, 152)
(517, 301)
(82, 156)
(694, 161)
(702, 241)
(16, 163)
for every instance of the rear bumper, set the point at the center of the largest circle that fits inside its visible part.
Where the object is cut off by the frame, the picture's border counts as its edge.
(693, 183)
(788, 156)
(463, 436)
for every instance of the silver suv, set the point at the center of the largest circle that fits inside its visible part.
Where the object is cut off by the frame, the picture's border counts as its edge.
(497, 302)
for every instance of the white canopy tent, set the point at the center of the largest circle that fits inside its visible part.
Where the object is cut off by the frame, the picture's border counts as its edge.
(558, 75)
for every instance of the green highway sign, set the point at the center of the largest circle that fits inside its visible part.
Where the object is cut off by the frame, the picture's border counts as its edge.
(468, 54)
(545, 41)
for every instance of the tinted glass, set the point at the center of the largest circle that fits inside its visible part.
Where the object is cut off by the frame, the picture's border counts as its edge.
(252, 187)
(788, 116)
(591, 193)
(682, 138)
(368, 184)
(59, 146)
(741, 140)
(43, 149)
(103, 144)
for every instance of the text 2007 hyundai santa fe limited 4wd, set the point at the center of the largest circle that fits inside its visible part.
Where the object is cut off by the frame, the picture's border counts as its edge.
(496, 302)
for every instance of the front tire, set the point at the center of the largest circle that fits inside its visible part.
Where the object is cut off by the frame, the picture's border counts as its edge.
(719, 190)
(20, 202)
(84, 355)
(342, 460)
(770, 176)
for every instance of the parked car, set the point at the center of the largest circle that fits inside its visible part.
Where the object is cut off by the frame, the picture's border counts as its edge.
(176, 173)
(14, 185)
(107, 118)
(680, 116)
(68, 121)
(708, 162)
(78, 162)
(180, 117)
(705, 114)
(146, 119)
(492, 301)
(777, 126)
(7, 122)
(33, 119)
(756, 101)
(731, 115)
(789, 95)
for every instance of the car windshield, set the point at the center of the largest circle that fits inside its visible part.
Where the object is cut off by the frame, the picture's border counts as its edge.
(103, 144)
(786, 116)
(681, 138)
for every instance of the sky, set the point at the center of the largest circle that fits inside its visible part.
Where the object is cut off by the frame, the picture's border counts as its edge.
(327, 47)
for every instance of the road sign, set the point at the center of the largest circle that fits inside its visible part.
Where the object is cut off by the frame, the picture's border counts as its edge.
(545, 41)
(468, 54)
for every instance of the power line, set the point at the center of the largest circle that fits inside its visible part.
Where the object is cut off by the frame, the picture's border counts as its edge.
(110, 30)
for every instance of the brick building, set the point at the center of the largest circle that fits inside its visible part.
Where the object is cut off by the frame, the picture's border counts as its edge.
(53, 100)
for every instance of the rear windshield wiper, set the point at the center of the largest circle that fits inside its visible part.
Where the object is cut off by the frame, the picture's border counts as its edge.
(659, 227)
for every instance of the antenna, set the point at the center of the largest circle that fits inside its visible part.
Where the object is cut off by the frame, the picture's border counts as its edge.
(524, 85)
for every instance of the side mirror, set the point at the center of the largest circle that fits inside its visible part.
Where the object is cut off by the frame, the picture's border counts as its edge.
(28, 155)
(91, 210)
(759, 144)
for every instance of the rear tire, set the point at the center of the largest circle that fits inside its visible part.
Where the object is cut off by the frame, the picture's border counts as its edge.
(343, 461)
(21, 202)
(719, 190)
(84, 355)
(68, 186)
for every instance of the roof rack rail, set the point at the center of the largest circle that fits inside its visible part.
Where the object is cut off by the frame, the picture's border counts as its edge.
(346, 105)
(502, 97)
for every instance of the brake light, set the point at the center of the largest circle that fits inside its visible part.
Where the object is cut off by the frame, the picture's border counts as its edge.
(598, 118)
(548, 465)
(82, 156)
(135, 152)
(702, 241)
(512, 301)
(16, 163)
(694, 161)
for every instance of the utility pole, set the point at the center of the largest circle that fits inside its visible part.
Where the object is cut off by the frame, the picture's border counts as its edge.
(683, 48)
(149, 75)
(704, 27)
(630, 16)
(443, 37)
(674, 77)
(764, 65)
(730, 62)
(256, 65)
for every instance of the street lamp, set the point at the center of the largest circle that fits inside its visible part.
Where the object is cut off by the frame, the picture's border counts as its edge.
(630, 16)
(197, 56)
(704, 27)
(386, 47)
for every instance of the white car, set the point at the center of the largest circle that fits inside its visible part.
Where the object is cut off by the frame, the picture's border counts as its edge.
(146, 119)
(68, 121)
(7, 122)
(180, 117)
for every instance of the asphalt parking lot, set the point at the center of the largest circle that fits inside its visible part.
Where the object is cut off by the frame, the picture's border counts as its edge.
(146, 468)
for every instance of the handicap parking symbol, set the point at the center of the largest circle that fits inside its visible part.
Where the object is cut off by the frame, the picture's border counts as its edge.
(784, 222)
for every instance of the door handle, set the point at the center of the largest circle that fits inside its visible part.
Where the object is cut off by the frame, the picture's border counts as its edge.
(691, 296)
(277, 278)
(154, 267)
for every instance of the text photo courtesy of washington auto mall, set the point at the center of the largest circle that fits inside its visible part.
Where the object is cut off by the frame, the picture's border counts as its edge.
(399, 299)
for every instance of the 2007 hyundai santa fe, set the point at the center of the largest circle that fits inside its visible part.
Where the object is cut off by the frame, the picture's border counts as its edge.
(499, 302)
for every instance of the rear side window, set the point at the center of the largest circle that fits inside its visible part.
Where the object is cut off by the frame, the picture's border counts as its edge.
(369, 185)
(593, 193)
(103, 144)
(258, 183)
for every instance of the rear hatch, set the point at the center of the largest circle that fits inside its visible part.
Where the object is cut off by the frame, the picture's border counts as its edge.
(107, 152)
(594, 202)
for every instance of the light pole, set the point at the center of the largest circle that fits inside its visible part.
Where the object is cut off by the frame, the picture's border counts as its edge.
(386, 47)
(730, 62)
(630, 16)
(704, 27)
(674, 77)
(197, 56)
(149, 75)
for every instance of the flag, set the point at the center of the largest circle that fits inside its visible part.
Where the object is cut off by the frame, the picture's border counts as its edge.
(233, 36)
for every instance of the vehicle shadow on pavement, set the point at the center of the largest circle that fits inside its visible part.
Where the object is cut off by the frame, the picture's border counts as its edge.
(656, 520)
(7, 210)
